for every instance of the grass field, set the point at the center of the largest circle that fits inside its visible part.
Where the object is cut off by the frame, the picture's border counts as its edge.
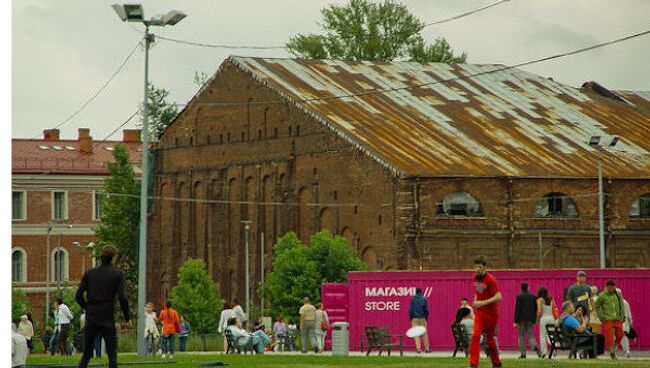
(297, 360)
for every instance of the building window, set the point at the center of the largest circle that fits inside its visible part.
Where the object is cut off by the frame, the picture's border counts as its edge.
(98, 199)
(228, 136)
(221, 138)
(59, 205)
(259, 134)
(290, 132)
(18, 265)
(177, 141)
(460, 203)
(275, 132)
(18, 206)
(641, 206)
(60, 265)
(297, 129)
(555, 205)
(243, 136)
(208, 140)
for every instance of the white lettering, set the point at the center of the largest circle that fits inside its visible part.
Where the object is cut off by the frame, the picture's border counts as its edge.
(390, 291)
(382, 306)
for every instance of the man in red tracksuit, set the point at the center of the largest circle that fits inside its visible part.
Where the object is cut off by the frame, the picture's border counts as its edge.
(486, 302)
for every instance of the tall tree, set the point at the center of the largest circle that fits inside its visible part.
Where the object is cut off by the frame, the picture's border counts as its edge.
(299, 270)
(197, 296)
(20, 304)
(120, 217)
(362, 30)
(161, 112)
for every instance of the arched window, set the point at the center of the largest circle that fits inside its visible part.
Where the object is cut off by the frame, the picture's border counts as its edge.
(60, 265)
(555, 204)
(641, 206)
(18, 265)
(460, 203)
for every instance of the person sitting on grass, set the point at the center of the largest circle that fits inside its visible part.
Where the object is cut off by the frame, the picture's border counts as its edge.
(242, 338)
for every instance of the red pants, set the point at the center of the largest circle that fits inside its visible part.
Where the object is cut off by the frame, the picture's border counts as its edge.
(613, 331)
(488, 324)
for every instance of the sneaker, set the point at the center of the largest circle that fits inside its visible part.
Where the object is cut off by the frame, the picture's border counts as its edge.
(522, 356)
(613, 356)
(171, 356)
(539, 352)
(419, 352)
(163, 356)
(627, 355)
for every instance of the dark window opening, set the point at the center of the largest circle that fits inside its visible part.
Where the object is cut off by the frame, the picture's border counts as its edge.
(315, 171)
(207, 139)
(221, 138)
(228, 136)
(191, 141)
(290, 133)
(356, 209)
(243, 136)
(259, 134)
(459, 203)
(641, 206)
(177, 141)
(555, 204)
(275, 132)
(379, 220)
(297, 129)
(335, 195)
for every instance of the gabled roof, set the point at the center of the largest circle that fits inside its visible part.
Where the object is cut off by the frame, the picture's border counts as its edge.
(32, 156)
(463, 119)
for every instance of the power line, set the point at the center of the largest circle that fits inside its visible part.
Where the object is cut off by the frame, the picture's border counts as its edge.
(119, 69)
(465, 14)
(442, 81)
(231, 47)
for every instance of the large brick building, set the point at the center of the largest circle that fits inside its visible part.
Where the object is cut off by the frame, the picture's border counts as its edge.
(419, 166)
(55, 190)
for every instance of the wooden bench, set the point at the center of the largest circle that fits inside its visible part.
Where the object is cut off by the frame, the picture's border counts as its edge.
(562, 339)
(234, 346)
(379, 337)
(460, 339)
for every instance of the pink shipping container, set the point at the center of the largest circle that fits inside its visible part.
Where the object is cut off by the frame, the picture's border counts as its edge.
(382, 298)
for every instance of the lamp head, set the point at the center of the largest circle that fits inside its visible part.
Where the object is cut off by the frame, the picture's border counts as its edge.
(172, 17)
(129, 12)
(614, 141)
(594, 140)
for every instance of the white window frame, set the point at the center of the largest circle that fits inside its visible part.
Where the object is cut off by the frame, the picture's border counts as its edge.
(23, 276)
(94, 199)
(66, 264)
(24, 205)
(65, 204)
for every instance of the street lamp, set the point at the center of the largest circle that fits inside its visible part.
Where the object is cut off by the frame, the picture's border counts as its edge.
(83, 248)
(135, 13)
(247, 225)
(595, 141)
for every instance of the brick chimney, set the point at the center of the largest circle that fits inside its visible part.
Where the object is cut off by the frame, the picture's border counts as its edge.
(51, 134)
(131, 136)
(85, 140)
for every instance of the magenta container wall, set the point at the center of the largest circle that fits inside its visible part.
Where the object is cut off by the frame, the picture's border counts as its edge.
(382, 298)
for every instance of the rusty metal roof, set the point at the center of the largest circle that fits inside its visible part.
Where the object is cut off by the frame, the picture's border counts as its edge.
(502, 122)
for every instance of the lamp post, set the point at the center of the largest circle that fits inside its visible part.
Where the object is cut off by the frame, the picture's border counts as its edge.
(47, 277)
(247, 225)
(595, 141)
(135, 13)
(83, 248)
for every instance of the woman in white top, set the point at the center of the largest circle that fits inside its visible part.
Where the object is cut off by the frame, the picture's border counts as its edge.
(151, 333)
(545, 317)
(226, 314)
(321, 316)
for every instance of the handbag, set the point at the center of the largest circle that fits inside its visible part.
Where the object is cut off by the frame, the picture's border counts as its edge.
(324, 326)
(554, 310)
(177, 323)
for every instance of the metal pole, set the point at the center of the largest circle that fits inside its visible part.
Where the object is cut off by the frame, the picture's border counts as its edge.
(262, 273)
(601, 215)
(541, 251)
(142, 248)
(47, 278)
(247, 286)
(59, 274)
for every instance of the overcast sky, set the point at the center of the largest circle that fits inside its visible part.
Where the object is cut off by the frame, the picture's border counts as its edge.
(63, 51)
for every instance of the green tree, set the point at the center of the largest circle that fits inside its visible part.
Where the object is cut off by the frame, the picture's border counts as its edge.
(299, 270)
(120, 218)
(20, 304)
(362, 30)
(198, 297)
(160, 111)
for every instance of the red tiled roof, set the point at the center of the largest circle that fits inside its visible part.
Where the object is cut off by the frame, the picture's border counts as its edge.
(64, 157)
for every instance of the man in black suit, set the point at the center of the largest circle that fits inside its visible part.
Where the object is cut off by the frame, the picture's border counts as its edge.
(101, 284)
(525, 317)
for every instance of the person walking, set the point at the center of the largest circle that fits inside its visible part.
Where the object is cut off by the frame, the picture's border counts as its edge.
(26, 328)
(486, 302)
(525, 317)
(419, 314)
(322, 325)
(185, 332)
(279, 333)
(63, 319)
(19, 349)
(242, 319)
(101, 285)
(609, 307)
(226, 314)
(308, 325)
(627, 325)
(169, 319)
(545, 316)
(151, 333)
(580, 293)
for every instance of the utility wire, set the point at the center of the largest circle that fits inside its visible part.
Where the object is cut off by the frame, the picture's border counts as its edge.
(119, 69)
(465, 14)
(442, 81)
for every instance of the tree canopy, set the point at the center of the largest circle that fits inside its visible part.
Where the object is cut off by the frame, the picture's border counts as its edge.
(160, 111)
(299, 270)
(362, 30)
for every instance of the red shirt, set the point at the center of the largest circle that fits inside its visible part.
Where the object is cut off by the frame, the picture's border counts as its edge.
(485, 289)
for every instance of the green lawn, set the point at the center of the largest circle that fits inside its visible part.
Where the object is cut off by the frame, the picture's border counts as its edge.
(274, 360)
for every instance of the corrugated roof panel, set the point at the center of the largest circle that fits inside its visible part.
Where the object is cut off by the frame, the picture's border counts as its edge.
(500, 123)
